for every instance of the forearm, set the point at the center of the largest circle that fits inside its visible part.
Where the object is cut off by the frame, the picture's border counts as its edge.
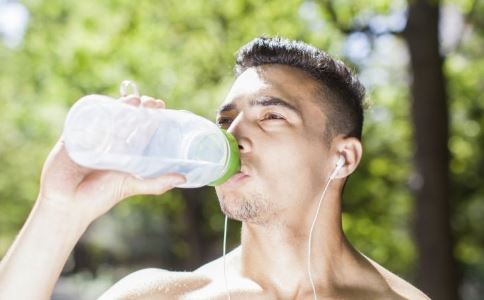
(35, 260)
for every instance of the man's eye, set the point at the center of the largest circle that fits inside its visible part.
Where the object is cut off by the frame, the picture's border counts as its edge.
(223, 121)
(272, 116)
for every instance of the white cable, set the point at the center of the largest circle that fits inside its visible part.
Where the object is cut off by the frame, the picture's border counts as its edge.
(224, 248)
(311, 234)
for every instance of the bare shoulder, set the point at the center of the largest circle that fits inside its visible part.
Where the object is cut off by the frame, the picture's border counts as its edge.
(155, 284)
(204, 283)
(399, 285)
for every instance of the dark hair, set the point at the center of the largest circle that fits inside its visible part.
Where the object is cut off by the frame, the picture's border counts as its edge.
(340, 88)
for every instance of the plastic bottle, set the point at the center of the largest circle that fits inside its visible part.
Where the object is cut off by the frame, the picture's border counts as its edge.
(103, 133)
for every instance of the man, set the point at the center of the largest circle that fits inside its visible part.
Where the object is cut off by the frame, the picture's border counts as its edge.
(297, 116)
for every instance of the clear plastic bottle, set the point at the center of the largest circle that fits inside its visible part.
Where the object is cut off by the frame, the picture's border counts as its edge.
(103, 133)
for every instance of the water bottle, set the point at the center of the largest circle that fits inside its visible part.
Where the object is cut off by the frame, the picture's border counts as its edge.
(103, 133)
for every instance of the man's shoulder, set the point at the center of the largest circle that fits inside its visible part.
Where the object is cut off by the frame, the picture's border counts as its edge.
(155, 283)
(398, 284)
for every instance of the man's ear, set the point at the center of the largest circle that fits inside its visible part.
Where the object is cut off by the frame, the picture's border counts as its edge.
(351, 149)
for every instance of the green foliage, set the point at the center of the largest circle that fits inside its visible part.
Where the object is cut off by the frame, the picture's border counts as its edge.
(464, 68)
(182, 51)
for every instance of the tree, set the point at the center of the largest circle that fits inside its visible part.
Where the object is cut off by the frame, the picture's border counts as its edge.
(437, 271)
(182, 51)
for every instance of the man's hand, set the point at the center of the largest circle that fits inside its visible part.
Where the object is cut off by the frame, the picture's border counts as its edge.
(93, 192)
(70, 198)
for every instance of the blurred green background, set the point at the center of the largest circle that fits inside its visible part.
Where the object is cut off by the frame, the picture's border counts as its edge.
(53, 52)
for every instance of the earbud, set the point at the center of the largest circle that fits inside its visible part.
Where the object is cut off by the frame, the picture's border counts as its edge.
(339, 164)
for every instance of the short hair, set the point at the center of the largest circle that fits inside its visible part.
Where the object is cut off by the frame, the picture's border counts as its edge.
(341, 92)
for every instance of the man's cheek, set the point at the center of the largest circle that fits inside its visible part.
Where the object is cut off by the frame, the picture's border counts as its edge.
(284, 163)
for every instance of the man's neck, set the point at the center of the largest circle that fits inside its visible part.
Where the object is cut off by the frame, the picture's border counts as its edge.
(275, 255)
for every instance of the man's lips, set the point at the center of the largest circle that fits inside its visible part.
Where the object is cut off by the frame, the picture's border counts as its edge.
(235, 179)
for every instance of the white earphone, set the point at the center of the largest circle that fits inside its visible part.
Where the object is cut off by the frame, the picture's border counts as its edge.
(339, 164)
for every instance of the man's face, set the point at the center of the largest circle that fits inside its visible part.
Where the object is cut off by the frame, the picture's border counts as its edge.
(279, 124)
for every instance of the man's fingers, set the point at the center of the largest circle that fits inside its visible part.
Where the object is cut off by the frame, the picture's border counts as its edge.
(144, 101)
(161, 103)
(131, 99)
(152, 186)
(151, 102)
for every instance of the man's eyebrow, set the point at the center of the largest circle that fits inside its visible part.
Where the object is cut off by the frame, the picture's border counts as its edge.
(225, 107)
(274, 101)
(264, 101)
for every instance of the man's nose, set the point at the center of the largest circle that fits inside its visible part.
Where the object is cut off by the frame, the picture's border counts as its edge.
(239, 129)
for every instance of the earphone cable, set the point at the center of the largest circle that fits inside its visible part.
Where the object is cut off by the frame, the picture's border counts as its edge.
(311, 236)
(224, 252)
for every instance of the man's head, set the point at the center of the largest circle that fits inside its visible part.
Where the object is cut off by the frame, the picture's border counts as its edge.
(340, 92)
(293, 110)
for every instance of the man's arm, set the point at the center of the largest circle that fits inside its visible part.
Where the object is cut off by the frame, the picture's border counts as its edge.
(70, 198)
(35, 260)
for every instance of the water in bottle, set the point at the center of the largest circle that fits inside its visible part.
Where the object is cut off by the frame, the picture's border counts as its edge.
(103, 133)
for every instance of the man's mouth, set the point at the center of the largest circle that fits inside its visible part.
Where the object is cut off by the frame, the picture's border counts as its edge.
(236, 179)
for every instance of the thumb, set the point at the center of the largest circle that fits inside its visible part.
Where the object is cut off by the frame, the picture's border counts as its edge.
(152, 186)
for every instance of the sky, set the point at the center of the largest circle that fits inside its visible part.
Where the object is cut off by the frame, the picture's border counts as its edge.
(14, 18)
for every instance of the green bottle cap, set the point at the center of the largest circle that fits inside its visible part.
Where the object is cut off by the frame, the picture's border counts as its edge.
(232, 164)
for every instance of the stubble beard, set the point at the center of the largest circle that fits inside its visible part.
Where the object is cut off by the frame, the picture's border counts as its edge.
(252, 208)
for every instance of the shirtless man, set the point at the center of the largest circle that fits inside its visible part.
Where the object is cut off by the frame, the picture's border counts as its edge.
(297, 116)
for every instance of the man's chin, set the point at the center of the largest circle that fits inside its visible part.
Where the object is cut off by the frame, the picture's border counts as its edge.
(234, 190)
(244, 204)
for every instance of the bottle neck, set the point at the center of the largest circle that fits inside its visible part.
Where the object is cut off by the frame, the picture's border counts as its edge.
(232, 162)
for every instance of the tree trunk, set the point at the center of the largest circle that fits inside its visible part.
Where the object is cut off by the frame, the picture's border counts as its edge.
(436, 274)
